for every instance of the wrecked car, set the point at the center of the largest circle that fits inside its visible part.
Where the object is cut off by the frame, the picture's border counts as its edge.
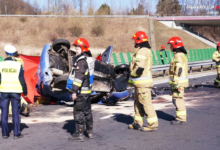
(56, 63)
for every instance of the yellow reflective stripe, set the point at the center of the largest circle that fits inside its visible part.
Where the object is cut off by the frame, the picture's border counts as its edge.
(160, 53)
(182, 81)
(179, 65)
(77, 84)
(144, 40)
(217, 66)
(217, 80)
(176, 78)
(10, 87)
(86, 73)
(141, 81)
(134, 74)
(140, 57)
(154, 119)
(181, 113)
(86, 92)
(11, 82)
(138, 118)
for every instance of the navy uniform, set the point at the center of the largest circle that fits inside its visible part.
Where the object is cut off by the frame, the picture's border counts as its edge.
(12, 84)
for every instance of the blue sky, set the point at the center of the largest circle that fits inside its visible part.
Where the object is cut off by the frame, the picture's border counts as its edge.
(113, 3)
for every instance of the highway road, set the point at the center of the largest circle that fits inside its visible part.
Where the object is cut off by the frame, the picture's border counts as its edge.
(49, 126)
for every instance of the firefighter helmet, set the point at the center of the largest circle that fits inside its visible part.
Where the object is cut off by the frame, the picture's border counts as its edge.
(162, 47)
(218, 45)
(176, 42)
(82, 43)
(140, 37)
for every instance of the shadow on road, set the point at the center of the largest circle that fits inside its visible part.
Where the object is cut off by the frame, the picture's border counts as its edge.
(164, 116)
(11, 126)
(127, 119)
(69, 126)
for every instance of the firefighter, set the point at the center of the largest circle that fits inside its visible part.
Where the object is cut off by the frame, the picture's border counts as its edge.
(141, 79)
(178, 74)
(80, 84)
(161, 56)
(216, 58)
(11, 86)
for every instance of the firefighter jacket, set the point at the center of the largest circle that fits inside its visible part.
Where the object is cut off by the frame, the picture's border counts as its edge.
(81, 76)
(178, 72)
(12, 77)
(141, 68)
(216, 58)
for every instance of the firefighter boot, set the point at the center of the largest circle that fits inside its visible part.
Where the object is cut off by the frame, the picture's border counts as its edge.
(25, 109)
(148, 129)
(78, 135)
(216, 84)
(177, 122)
(89, 130)
(134, 126)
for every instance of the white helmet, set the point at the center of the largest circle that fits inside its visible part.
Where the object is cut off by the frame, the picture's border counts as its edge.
(10, 50)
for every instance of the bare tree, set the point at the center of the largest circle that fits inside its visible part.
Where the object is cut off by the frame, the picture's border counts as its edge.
(75, 4)
(91, 7)
(80, 7)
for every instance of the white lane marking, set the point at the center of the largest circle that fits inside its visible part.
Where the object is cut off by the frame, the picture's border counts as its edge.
(190, 77)
(107, 117)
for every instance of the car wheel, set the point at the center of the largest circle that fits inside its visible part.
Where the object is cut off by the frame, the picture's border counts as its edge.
(60, 82)
(60, 42)
(121, 68)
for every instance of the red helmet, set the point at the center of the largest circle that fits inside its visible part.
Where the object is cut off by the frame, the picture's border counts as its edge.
(83, 43)
(162, 47)
(218, 45)
(176, 42)
(140, 37)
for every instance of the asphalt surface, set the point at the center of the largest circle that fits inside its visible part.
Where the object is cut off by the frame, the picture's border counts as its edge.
(49, 126)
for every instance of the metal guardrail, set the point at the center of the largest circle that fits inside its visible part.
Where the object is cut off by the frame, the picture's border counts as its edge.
(190, 65)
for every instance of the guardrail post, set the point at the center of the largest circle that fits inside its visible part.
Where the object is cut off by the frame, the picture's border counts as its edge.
(201, 69)
(190, 69)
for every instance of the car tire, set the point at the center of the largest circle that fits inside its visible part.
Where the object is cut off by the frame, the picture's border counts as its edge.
(59, 42)
(60, 82)
(121, 68)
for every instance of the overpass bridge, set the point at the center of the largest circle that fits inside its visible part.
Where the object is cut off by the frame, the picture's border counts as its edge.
(192, 20)
(183, 23)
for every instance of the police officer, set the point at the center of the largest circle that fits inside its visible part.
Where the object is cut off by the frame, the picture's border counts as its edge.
(141, 79)
(178, 74)
(11, 86)
(161, 55)
(79, 83)
(216, 58)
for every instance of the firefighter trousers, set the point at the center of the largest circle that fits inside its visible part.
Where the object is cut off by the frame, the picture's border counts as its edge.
(143, 107)
(178, 102)
(83, 114)
(218, 76)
